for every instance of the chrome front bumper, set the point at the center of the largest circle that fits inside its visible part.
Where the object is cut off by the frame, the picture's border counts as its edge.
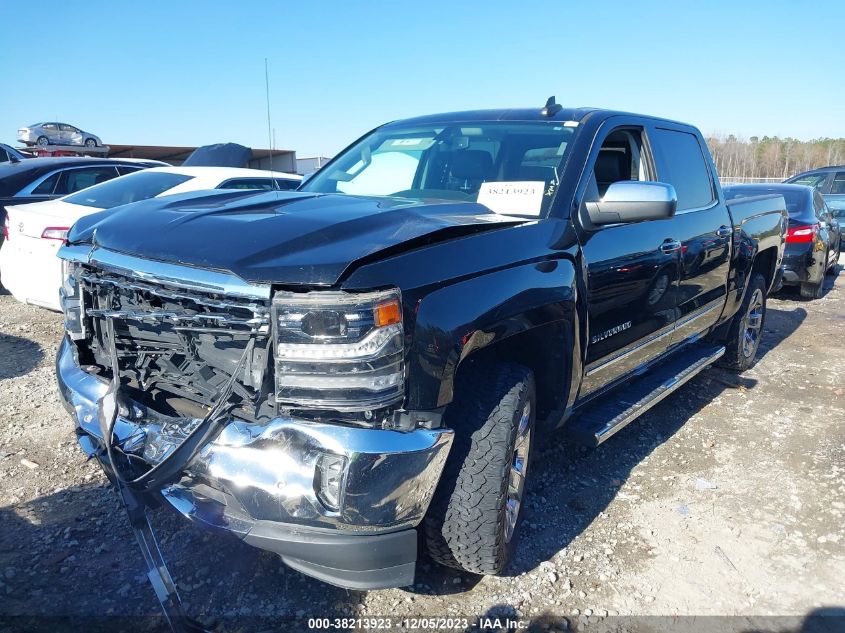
(258, 482)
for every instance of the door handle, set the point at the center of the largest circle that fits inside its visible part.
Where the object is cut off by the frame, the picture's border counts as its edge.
(724, 231)
(670, 246)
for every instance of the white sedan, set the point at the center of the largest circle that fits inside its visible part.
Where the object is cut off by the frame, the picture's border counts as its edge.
(29, 268)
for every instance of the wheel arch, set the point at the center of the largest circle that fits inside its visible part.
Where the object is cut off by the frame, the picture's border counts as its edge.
(765, 262)
(525, 314)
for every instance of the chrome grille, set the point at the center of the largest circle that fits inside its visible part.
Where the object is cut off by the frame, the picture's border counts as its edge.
(182, 341)
(121, 297)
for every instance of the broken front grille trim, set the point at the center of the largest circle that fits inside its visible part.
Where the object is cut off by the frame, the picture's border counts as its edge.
(177, 276)
(190, 365)
(219, 320)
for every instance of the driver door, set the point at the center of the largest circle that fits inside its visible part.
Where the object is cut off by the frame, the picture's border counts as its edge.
(632, 269)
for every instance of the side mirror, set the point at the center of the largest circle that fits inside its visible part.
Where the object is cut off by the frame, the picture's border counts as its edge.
(634, 201)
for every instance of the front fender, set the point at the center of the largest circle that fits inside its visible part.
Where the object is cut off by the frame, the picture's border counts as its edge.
(457, 321)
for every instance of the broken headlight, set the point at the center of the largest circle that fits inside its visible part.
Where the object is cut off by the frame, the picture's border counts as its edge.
(70, 297)
(340, 351)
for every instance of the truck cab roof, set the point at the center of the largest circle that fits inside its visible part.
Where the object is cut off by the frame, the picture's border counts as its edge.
(578, 115)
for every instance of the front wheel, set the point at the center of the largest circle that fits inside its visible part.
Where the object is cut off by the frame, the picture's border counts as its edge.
(474, 518)
(747, 328)
(90, 142)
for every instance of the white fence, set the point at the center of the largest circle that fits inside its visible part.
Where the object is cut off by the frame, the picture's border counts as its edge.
(737, 180)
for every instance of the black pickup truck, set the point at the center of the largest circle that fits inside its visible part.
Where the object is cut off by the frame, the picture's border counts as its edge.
(329, 372)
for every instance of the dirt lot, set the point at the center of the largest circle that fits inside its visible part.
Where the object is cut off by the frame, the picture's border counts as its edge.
(727, 499)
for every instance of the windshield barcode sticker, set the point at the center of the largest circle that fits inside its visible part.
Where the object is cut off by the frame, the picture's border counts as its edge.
(513, 198)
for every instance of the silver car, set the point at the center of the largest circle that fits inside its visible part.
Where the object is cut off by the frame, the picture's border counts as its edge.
(44, 134)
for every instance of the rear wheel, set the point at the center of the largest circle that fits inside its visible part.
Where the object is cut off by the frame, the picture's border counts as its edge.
(811, 291)
(42, 141)
(473, 522)
(747, 328)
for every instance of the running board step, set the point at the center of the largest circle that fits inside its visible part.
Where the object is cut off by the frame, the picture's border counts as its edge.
(621, 406)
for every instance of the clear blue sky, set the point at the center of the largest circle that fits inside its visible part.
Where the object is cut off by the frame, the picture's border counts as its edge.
(191, 73)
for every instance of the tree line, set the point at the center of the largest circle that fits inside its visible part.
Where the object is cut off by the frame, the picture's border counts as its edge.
(772, 158)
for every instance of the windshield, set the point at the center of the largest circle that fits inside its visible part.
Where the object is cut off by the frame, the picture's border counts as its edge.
(140, 185)
(511, 168)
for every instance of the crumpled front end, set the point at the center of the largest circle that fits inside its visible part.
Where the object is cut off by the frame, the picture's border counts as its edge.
(335, 498)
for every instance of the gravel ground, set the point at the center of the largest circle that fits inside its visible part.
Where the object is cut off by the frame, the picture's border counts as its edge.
(726, 499)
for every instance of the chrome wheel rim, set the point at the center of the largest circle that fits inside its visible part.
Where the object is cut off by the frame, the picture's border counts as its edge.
(518, 471)
(43, 142)
(91, 143)
(753, 324)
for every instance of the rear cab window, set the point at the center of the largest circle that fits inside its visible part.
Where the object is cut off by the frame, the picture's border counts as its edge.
(838, 185)
(682, 165)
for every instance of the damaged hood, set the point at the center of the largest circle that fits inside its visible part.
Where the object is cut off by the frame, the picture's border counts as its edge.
(280, 237)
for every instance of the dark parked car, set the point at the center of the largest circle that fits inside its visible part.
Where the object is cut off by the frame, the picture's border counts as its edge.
(836, 204)
(326, 373)
(10, 154)
(830, 182)
(38, 179)
(813, 242)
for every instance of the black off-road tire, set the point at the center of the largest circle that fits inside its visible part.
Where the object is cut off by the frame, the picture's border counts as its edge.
(735, 357)
(465, 527)
(811, 291)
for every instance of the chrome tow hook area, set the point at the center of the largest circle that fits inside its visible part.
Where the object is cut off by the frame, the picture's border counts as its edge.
(133, 490)
(157, 572)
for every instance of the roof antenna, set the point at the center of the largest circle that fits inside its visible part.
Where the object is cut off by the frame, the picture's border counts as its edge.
(551, 108)
(270, 135)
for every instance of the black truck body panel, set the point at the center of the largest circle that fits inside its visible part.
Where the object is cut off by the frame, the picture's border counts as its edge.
(585, 307)
(510, 265)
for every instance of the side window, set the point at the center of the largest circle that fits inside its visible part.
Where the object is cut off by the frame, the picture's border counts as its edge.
(127, 170)
(810, 180)
(287, 185)
(73, 180)
(621, 157)
(67, 128)
(46, 187)
(50, 127)
(838, 185)
(3, 155)
(837, 209)
(683, 166)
